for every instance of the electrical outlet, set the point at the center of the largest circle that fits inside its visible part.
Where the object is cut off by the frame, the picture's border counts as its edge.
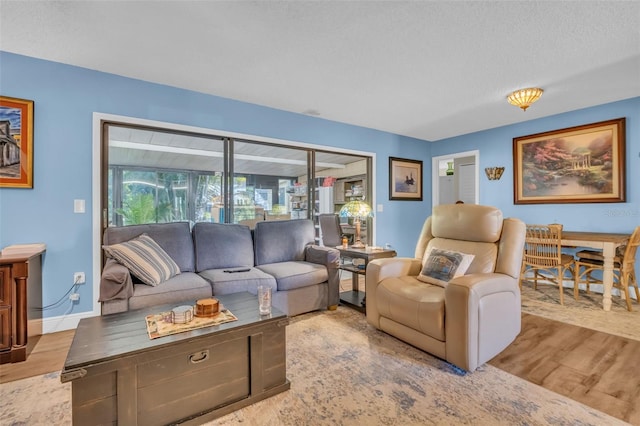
(74, 297)
(78, 278)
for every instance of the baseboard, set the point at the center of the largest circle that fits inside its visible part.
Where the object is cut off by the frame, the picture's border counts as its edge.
(34, 327)
(62, 323)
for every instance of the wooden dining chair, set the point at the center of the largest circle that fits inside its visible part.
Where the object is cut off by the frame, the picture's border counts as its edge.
(543, 253)
(624, 263)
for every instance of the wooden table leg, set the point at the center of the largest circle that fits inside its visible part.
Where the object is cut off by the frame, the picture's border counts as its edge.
(608, 253)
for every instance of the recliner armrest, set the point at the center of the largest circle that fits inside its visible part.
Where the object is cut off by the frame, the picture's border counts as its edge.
(483, 284)
(483, 317)
(378, 270)
(115, 282)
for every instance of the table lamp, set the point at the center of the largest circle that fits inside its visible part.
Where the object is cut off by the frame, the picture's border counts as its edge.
(356, 209)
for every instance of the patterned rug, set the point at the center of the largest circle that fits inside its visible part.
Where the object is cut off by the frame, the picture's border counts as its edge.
(585, 312)
(344, 372)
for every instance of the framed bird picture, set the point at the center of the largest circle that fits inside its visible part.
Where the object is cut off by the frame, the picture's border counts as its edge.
(405, 179)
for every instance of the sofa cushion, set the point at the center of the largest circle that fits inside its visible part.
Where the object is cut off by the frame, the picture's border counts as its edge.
(413, 303)
(145, 259)
(174, 238)
(186, 287)
(236, 282)
(282, 240)
(441, 266)
(222, 245)
(292, 275)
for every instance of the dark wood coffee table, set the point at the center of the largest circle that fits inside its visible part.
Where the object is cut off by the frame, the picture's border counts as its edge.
(119, 375)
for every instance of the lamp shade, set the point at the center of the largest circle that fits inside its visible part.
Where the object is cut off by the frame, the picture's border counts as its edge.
(356, 208)
(525, 97)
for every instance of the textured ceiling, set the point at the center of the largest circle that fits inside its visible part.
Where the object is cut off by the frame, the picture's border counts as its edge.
(426, 69)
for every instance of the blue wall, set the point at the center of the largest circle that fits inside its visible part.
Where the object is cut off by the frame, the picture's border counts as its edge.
(65, 99)
(495, 146)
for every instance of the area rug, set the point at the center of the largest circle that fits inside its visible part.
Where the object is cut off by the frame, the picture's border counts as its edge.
(344, 372)
(585, 312)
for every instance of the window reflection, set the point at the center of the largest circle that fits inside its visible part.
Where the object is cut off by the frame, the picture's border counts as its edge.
(157, 175)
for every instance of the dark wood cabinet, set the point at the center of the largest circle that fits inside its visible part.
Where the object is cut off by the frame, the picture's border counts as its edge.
(5, 309)
(20, 278)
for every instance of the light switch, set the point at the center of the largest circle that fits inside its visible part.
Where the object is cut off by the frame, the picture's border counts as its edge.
(380, 207)
(78, 206)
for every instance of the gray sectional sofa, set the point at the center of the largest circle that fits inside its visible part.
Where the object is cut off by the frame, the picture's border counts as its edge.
(281, 254)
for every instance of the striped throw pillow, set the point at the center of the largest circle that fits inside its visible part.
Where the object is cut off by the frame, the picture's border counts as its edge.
(145, 259)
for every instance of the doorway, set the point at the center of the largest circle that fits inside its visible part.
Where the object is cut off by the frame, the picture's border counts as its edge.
(455, 178)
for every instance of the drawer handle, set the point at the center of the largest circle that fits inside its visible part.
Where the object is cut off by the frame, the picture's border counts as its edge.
(199, 357)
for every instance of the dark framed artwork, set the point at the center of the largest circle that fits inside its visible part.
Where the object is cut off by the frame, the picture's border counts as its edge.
(582, 164)
(16, 143)
(405, 179)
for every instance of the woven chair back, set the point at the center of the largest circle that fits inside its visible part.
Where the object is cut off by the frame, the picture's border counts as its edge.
(629, 257)
(543, 246)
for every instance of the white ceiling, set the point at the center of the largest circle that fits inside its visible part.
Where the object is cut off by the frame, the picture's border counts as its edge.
(426, 69)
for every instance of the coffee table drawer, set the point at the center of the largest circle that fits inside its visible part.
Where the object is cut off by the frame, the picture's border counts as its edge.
(172, 388)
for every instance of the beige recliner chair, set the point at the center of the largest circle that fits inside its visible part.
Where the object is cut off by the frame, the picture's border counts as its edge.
(469, 319)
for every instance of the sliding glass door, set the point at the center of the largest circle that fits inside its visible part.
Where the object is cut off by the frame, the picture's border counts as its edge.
(341, 178)
(269, 182)
(156, 175)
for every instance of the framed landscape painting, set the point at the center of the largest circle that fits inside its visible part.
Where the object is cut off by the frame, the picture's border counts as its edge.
(405, 179)
(16, 143)
(582, 164)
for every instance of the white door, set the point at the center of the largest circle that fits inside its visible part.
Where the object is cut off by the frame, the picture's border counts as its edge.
(467, 183)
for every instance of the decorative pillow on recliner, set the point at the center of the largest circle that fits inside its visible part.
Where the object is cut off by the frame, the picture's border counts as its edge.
(440, 266)
(145, 259)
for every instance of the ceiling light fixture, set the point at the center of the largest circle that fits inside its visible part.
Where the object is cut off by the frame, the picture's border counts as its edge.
(523, 98)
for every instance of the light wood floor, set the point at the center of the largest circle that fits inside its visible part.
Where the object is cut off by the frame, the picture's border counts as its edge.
(45, 354)
(597, 369)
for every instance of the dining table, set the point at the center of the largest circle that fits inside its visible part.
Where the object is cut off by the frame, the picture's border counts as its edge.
(606, 242)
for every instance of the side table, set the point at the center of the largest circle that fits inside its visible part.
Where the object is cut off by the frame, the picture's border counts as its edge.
(356, 298)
